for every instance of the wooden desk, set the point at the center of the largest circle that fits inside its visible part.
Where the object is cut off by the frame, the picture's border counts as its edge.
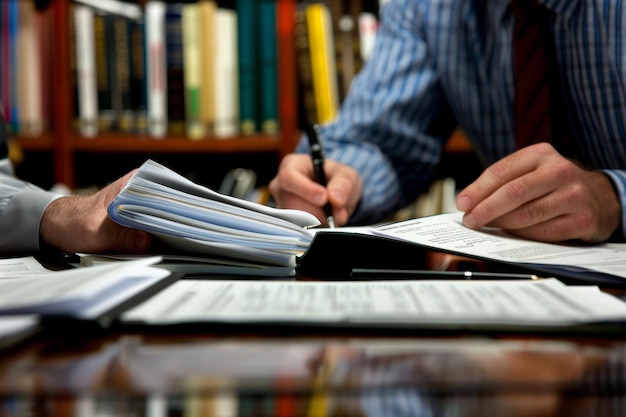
(298, 373)
(126, 374)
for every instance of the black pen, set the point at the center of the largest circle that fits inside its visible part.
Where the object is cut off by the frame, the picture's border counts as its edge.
(317, 154)
(418, 274)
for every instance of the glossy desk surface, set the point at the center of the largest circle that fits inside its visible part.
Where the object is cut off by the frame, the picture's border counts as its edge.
(298, 375)
(294, 373)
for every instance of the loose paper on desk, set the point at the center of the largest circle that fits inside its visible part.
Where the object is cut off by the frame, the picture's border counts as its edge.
(194, 220)
(601, 263)
(84, 293)
(401, 303)
(23, 266)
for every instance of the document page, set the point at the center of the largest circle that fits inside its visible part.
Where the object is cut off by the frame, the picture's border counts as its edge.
(542, 302)
(446, 232)
(17, 267)
(83, 292)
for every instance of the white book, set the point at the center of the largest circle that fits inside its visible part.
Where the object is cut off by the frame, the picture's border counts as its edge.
(226, 85)
(86, 71)
(156, 68)
(368, 26)
(192, 67)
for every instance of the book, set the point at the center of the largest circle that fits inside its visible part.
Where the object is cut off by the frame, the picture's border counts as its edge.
(207, 9)
(307, 108)
(122, 73)
(104, 64)
(139, 77)
(345, 16)
(86, 71)
(29, 76)
(248, 19)
(156, 68)
(192, 67)
(323, 63)
(267, 67)
(190, 219)
(226, 88)
(175, 72)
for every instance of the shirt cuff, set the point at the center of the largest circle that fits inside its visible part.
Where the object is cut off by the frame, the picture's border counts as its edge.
(619, 182)
(19, 224)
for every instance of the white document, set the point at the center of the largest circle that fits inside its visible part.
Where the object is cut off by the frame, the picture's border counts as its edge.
(83, 293)
(600, 263)
(18, 267)
(543, 302)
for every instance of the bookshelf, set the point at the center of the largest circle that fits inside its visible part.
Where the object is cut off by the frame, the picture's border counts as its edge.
(64, 145)
(70, 155)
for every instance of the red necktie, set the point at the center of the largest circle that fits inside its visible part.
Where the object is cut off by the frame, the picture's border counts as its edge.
(532, 108)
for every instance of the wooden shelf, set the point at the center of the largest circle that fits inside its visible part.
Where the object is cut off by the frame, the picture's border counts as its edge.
(34, 143)
(141, 144)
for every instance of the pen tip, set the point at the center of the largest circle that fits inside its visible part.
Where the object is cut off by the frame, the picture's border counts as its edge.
(331, 222)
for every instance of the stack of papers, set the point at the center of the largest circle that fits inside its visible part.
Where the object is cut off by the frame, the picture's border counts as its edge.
(190, 219)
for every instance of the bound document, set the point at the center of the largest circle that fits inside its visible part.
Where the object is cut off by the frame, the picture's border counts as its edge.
(185, 217)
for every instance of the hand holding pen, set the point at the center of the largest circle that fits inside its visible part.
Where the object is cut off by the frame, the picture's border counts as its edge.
(317, 155)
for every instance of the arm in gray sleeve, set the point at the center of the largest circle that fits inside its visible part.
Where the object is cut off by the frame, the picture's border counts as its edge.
(21, 207)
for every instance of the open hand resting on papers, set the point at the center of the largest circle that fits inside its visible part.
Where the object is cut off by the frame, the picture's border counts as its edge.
(81, 224)
(538, 194)
(295, 187)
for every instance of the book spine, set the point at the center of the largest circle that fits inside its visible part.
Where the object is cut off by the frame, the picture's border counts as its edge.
(86, 71)
(267, 67)
(368, 26)
(156, 68)
(323, 61)
(29, 72)
(45, 25)
(193, 70)
(207, 84)
(247, 48)
(13, 115)
(122, 74)
(103, 68)
(139, 77)
(306, 103)
(175, 69)
(226, 87)
(73, 68)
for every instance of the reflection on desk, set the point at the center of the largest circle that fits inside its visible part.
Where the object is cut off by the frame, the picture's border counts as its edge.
(246, 376)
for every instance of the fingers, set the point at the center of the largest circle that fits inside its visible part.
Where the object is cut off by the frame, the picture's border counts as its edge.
(512, 182)
(81, 224)
(294, 187)
(537, 194)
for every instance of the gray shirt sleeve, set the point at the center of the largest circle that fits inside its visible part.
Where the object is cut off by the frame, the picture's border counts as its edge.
(21, 207)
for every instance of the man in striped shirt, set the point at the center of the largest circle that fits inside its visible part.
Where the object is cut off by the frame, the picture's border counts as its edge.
(32, 219)
(442, 64)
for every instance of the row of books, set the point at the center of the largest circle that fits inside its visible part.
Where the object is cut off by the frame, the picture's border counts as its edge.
(333, 39)
(198, 69)
(25, 57)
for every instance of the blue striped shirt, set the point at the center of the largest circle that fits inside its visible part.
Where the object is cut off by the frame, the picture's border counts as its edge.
(439, 64)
